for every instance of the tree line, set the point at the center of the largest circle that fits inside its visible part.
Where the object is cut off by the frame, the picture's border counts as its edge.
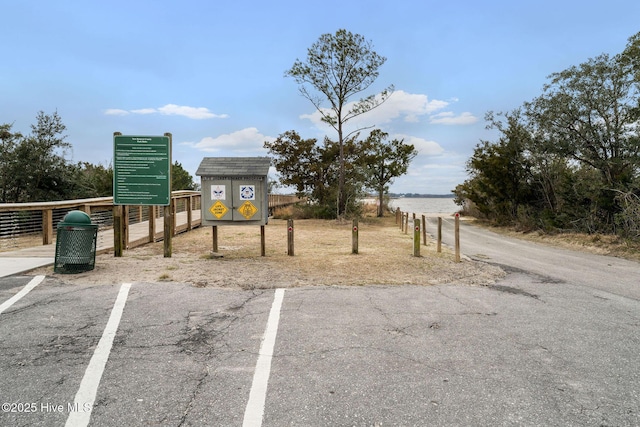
(314, 170)
(570, 158)
(35, 167)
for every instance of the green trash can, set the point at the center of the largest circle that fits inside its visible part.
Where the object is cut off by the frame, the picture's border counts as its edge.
(75, 243)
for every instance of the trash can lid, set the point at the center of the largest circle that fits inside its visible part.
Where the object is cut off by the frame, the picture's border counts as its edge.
(76, 217)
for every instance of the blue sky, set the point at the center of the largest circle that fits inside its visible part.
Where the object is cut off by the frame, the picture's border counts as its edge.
(212, 72)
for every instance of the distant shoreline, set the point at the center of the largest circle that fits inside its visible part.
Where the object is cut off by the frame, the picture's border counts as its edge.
(422, 196)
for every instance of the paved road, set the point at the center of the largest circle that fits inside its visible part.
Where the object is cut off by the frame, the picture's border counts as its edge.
(595, 272)
(535, 349)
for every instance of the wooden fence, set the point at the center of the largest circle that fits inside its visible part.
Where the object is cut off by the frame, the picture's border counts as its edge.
(36, 222)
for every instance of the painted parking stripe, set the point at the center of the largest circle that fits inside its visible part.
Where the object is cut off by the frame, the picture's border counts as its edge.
(32, 284)
(255, 406)
(86, 395)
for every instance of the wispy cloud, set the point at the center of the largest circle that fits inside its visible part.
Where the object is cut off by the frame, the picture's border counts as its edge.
(196, 113)
(405, 107)
(115, 112)
(449, 118)
(423, 146)
(245, 140)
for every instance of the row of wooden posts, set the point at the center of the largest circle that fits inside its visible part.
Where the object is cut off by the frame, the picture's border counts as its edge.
(420, 227)
(401, 218)
(290, 240)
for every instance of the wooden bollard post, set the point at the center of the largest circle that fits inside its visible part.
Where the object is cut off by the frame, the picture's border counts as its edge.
(424, 230)
(290, 237)
(406, 224)
(354, 237)
(263, 245)
(214, 236)
(439, 245)
(457, 237)
(416, 237)
(401, 221)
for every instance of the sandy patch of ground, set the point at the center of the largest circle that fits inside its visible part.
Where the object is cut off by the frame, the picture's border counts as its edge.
(322, 257)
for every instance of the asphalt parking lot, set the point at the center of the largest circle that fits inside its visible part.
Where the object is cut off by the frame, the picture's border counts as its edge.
(523, 352)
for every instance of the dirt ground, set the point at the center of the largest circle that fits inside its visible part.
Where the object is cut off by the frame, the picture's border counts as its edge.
(322, 257)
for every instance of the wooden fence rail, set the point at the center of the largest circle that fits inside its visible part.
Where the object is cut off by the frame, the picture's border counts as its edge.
(28, 221)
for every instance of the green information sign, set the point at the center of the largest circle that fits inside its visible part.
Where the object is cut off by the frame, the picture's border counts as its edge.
(141, 170)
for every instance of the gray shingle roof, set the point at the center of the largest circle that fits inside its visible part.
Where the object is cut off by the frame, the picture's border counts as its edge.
(233, 166)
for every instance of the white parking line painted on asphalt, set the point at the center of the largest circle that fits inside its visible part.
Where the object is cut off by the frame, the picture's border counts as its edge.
(86, 395)
(255, 406)
(32, 284)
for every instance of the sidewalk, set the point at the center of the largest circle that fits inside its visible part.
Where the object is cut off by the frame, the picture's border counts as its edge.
(23, 260)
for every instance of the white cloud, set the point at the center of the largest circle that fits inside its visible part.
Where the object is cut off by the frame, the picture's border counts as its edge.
(410, 106)
(424, 147)
(196, 113)
(245, 140)
(403, 106)
(449, 118)
(145, 111)
(400, 105)
(116, 112)
(190, 112)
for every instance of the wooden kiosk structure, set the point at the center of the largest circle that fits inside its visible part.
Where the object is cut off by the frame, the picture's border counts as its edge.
(234, 192)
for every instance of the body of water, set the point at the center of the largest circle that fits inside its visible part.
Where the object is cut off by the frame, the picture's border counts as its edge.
(426, 206)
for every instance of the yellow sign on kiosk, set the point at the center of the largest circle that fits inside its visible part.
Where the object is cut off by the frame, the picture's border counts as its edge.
(218, 209)
(247, 209)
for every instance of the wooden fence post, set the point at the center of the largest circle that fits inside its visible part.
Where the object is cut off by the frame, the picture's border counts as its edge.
(189, 213)
(398, 216)
(406, 224)
(354, 237)
(290, 237)
(47, 226)
(152, 223)
(457, 237)
(424, 230)
(416, 237)
(263, 245)
(439, 245)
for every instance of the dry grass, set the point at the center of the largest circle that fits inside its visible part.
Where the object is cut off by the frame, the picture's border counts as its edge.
(322, 257)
